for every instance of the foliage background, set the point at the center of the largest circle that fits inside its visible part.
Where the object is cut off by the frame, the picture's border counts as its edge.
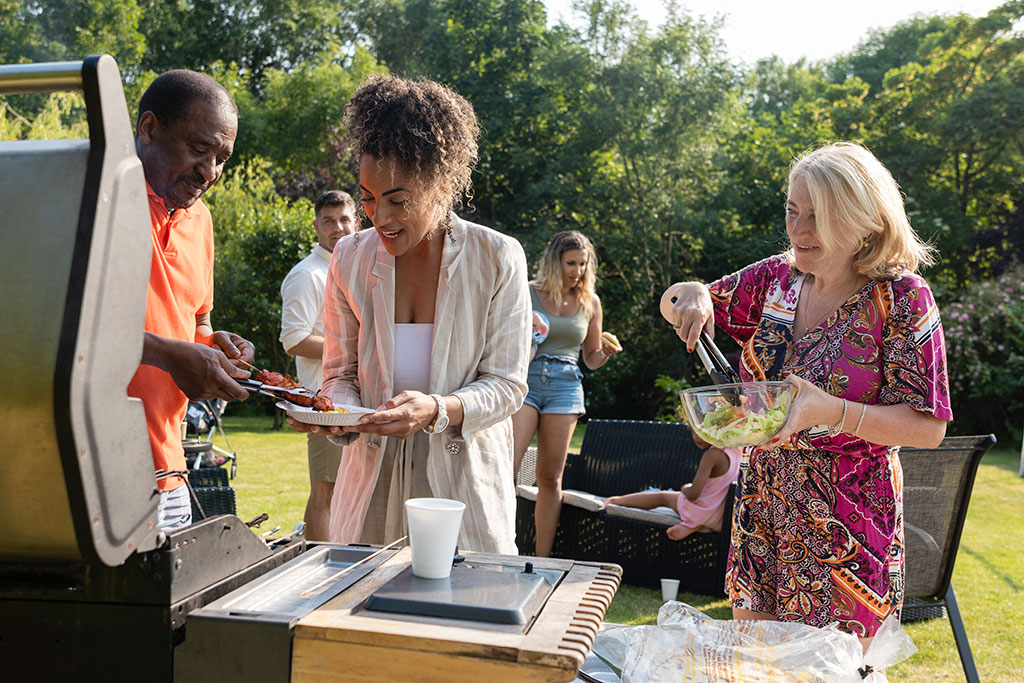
(648, 138)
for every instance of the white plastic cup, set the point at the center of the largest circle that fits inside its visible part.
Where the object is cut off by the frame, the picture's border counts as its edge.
(434, 525)
(669, 589)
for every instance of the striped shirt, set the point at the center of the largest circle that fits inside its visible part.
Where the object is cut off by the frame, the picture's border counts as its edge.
(480, 352)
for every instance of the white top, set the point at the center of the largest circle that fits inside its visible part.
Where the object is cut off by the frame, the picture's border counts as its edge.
(412, 356)
(479, 353)
(302, 306)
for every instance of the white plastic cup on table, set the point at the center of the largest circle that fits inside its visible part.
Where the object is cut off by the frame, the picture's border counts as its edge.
(669, 589)
(434, 525)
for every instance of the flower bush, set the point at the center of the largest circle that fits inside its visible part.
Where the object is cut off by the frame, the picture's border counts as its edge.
(984, 328)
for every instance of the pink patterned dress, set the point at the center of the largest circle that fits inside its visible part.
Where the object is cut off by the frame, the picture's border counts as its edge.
(818, 532)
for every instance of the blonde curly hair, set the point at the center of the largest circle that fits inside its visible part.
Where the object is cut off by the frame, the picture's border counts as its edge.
(858, 209)
(427, 128)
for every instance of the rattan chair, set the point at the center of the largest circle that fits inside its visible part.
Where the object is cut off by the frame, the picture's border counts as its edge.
(213, 492)
(937, 485)
(621, 456)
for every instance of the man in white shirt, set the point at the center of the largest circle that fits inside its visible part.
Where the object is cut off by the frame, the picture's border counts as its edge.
(302, 304)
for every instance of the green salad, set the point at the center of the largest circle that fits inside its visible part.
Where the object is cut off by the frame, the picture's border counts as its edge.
(731, 426)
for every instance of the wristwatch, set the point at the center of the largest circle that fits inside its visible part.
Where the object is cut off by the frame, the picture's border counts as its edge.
(440, 422)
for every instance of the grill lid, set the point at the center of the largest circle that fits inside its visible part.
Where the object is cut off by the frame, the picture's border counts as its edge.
(75, 252)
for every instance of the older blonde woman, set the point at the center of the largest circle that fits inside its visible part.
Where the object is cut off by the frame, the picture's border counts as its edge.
(427, 320)
(564, 293)
(818, 532)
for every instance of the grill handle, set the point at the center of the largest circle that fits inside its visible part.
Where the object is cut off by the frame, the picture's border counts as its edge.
(41, 77)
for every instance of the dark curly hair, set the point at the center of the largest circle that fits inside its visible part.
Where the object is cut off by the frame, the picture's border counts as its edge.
(428, 128)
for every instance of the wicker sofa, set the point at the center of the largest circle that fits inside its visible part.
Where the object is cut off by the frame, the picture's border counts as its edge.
(213, 492)
(621, 456)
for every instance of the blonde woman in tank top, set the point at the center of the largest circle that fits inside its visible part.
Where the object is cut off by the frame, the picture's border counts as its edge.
(564, 293)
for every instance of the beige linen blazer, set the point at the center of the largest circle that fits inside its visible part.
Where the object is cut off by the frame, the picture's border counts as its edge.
(480, 352)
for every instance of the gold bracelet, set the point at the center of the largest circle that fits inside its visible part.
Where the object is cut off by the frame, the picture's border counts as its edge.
(834, 430)
(863, 409)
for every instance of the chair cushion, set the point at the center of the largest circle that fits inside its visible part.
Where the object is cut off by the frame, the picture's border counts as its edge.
(527, 492)
(579, 499)
(665, 516)
(582, 499)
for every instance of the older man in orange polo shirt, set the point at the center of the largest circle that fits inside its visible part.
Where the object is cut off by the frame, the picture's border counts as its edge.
(185, 133)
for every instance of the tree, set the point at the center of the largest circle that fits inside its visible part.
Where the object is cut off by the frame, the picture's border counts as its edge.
(52, 30)
(950, 127)
(646, 138)
(493, 53)
(295, 124)
(886, 49)
(62, 117)
(259, 237)
(257, 35)
(984, 328)
(652, 126)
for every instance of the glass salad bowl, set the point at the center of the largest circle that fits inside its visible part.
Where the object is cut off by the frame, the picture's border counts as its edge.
(737, 415)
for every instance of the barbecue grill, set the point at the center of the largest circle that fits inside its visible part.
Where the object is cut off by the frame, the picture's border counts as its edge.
(90, 589)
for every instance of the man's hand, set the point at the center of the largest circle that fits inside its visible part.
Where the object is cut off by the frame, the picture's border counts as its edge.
(199, 371)
(205, 372)
(234, 347)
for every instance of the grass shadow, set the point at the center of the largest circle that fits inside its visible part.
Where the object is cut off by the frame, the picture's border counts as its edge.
(1010, 582)
(1003, 458)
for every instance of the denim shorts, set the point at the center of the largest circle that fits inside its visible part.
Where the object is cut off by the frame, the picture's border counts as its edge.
(555, 386)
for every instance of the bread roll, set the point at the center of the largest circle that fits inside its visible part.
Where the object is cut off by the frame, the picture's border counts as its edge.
(611, 340)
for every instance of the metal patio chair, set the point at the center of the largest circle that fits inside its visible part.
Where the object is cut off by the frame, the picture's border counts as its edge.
(937, 485)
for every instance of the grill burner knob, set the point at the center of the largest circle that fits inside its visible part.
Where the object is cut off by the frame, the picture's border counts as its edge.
(529, 568)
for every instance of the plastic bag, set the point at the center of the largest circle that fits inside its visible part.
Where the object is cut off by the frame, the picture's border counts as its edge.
(687, 645)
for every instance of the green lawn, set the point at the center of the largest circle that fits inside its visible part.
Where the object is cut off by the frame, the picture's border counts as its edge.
(989, 577)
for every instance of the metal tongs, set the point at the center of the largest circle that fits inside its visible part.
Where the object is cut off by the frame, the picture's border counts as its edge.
(253, 386)
(718, 367)
(272, 391)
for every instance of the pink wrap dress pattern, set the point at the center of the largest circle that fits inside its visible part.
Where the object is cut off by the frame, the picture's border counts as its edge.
(707, 510)
(818, 529)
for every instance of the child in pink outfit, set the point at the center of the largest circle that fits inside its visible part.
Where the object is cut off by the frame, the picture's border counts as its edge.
(699, 503)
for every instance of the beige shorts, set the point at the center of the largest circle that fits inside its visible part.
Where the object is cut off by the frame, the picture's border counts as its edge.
(324, 458)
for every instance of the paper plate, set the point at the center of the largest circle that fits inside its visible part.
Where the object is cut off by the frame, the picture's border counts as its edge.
(316, 417)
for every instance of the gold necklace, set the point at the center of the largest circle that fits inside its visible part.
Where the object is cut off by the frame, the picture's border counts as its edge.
(844, 295)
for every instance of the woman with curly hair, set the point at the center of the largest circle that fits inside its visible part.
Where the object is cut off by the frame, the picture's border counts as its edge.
(564, 292)
(427, 320)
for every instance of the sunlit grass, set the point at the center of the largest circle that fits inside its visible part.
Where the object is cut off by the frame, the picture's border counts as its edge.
(989, 576)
